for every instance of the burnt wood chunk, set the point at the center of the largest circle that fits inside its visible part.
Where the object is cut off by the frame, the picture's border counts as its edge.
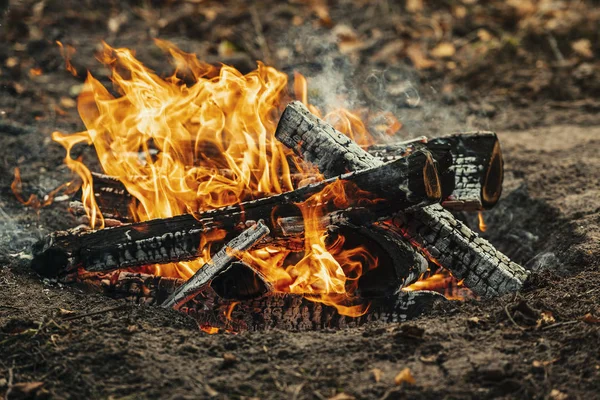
(459, 249)
(320, 143)
(262, 312)
(220, 261)
(404, 183)
(398, 264)
(477, 166)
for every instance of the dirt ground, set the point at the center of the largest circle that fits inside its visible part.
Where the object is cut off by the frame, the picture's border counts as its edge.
(529, 70)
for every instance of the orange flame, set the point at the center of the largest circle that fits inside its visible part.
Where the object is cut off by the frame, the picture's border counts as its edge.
(67, 53)
(204, 138)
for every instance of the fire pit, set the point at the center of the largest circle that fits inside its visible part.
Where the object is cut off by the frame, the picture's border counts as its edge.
(214, 203)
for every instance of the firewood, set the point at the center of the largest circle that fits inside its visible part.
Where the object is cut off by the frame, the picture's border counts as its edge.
(261, 311)
(220, 261)
(404, 183)
(468, 257)
(477, 166)
(398, 264)
(115, 202)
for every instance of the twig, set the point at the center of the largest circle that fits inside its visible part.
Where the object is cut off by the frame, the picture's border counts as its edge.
(10, 382)
(10, 307)
(559, 324)
(555, 49)
(511, 318)
(93, 313)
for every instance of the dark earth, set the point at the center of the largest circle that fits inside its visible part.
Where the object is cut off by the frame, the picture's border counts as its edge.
(527, 69)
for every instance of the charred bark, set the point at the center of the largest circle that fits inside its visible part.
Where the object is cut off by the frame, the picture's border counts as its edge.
(432, 229)
(260, 312)
(404, 183)
(220, 261)
(477, 166)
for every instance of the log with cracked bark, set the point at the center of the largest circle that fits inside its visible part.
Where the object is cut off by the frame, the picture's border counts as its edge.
(260, 311)
(477, 166)
(432, 229)
(404, 183)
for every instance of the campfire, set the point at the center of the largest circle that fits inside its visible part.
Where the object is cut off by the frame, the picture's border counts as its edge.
(223, 198)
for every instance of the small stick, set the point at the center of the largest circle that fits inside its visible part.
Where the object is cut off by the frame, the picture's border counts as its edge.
(219, 262)
(94, 313)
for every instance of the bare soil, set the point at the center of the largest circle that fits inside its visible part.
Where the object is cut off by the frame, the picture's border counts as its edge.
(530, 85)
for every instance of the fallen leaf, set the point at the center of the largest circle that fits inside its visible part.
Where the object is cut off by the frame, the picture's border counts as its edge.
(67, 102)
(546, 319)
(319, 7)
(25, 389)
(342, 396)
(443, 50)
(11, 62)
(404, 376)
(428, 359)
(376, 374)
(413, 6)
(388, 51)
(484, 35)
(226, 48)
(419, 60)
(590, 319)
(64, 312)
(558, 395)
(583, 47)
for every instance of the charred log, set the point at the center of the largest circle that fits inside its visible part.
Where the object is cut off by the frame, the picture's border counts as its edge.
(408, 182)
(432, 229)
(398, 264)
(268, 311)
(477, 166)
(219, 262)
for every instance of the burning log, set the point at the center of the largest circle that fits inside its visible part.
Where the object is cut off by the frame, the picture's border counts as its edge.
(261, 309)
(401, 184)
(432, 229)
(477, 166)
(220, 261)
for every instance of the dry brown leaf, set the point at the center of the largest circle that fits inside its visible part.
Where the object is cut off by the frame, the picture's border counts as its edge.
(590, 319)
(11, 62)
(25, 389)
(583, 47)
(404, 376)
(319, 7)
(389, 51)
(419, 60)
(226, 48)
(67, 102)
(443, 50)
(342, 396)
(414, 6)
(484, 35)
(558, 395)
(546, 319)
(376, 374)
(64, 312)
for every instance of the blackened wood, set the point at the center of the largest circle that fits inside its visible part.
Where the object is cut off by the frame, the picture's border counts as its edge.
(461, 251)
(115, 202)
(477, 166)
(452, 245)
(270, 311)
(219, 262)
(241, 281)
(318, 142)
(407, 182)
(398, 263)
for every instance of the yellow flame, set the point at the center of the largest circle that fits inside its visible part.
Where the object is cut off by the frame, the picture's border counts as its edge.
(204, 138)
